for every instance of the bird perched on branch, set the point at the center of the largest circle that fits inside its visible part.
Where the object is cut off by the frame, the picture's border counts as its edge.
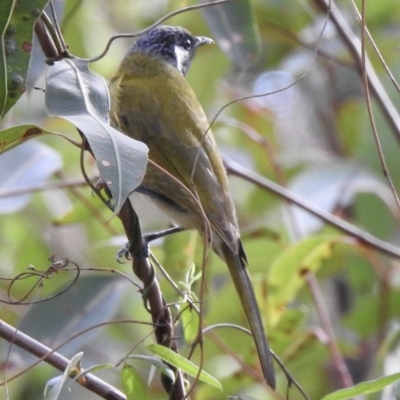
(151, 101)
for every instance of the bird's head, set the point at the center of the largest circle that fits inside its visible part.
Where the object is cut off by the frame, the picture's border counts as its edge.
(174, 45)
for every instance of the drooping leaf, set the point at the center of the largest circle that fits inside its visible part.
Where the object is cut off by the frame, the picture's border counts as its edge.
(81, 97)
(53, 387)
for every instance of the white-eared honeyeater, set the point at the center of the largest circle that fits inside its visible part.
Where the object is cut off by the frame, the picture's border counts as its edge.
(151, 101)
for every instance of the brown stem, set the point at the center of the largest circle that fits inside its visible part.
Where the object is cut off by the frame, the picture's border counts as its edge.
(160, 313)
(45, 41)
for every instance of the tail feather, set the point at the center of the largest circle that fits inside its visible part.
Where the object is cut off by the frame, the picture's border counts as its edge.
(243, 285)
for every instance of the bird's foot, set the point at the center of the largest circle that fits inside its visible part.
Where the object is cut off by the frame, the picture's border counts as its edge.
(125, 251)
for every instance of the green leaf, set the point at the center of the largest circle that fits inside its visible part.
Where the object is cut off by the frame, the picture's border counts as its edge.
(190, 322)
(9, 138)
(363, 388)
(157, 363)
(17, 19)
(286, 276)
(132, 384)
(190, 318)
(183, 364)
(81, 97)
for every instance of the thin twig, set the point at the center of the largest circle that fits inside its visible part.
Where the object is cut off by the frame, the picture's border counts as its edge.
(88, 204)
(377, 51)
(52, 32)
(364, 237)
(43, 187)
(354, 46)
(57, 28)
(269, 93)
(338, 360)
(173, 284)
(227, 350)
(270, 156)
(382, 159)
(164, 18)
(275, 27)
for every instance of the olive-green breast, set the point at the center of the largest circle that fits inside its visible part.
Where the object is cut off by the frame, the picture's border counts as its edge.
(152, 102)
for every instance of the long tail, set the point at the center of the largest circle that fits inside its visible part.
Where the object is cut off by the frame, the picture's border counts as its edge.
(245, 290)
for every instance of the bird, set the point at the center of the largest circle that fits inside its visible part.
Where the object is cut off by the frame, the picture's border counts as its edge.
(152, 101)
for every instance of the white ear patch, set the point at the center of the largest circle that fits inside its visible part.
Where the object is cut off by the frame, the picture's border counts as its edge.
(181, 58)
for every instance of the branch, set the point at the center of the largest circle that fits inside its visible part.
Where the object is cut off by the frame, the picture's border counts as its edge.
(58, 361)
(366, 238)
(42, 187)
(354, 45)
(157, 306)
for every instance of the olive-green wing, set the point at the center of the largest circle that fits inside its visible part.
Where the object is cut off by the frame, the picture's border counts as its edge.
(171, 121)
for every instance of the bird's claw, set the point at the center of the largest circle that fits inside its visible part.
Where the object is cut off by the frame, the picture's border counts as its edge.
(123, 252)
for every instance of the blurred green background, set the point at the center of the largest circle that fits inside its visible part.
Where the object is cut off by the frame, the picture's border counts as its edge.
(312, 135)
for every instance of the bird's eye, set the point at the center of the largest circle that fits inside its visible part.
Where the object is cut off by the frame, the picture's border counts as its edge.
(187, 44)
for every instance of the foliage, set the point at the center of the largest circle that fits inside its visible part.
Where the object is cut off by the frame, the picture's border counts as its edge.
(329, 294)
